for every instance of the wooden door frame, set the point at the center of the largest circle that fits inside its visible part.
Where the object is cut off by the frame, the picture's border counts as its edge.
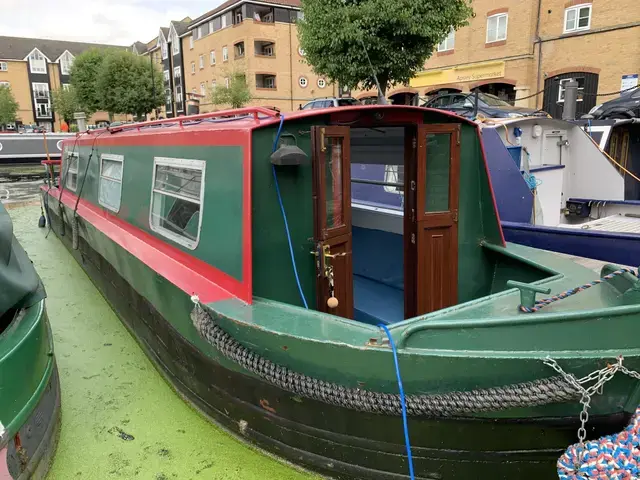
(410, 225)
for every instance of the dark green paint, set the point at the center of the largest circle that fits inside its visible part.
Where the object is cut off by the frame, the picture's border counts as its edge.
(220, 242)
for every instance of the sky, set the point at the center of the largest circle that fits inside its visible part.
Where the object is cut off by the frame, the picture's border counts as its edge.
(116, 22)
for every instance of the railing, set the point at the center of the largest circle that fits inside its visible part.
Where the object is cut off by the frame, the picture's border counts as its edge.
(254, 111)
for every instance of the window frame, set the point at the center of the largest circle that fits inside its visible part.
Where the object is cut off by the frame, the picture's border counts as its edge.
(5, 84)
(203, 89)
(323, 81)
(42, 59)
(75, 155)
(577, 9)
(191, 42)
(201, 61)
(562, 89)
(212, 57)
(114, 158)
(445, 43)
(66, 61)
(300, 81)
(175, 45)
(180, 163)
(193, 68)
(164, 48)
(506, 27)
(4, 67)
(225, 53)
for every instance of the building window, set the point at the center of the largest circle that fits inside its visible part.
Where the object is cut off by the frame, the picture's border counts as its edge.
(265, 80)
(179, 105)
(66, 60)
(322, 83)
(265, 48)
(72, 171)
(176, 199)
(201, 61)
(175, 44)
(167, 98)
(3, 67)
(165, 49)
(40, 90)
(577, 18)
(497, 28)
(223, 19)
(300, 51)
(200, 31)
(37, 62)
(212, 57)
(211, 27)
(43, 110)
(562, 89)
(239, 49)
(226, 82)
(303, 82)
(5, 84)
(110, 185)
(448, 43)
(66, 86)
(237, 16)
(214, 84)
(167, 76)
(203, 89)
(191, 42)
(193, 67)
(225, 54)
(263, 14)
(177, 74)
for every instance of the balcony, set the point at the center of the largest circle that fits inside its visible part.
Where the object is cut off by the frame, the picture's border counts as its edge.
(263, 14)
(238, 50)
(264, 48)
(266, 81)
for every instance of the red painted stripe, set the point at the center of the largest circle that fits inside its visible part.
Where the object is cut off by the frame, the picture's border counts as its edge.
(191, 275)
(493, 196)
(4, 469)
(247, 237)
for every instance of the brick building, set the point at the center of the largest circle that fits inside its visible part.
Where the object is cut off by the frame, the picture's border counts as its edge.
(33, 68)
(515, 48)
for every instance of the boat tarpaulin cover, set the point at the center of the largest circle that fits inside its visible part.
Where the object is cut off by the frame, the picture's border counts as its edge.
(20, 285)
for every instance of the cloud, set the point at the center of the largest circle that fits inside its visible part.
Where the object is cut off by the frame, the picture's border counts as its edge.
(117, 22)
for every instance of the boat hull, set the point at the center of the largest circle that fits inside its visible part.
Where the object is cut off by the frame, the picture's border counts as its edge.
(335, 441)
(622, 249)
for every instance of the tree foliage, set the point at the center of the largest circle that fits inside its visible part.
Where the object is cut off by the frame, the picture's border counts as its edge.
(65, 103)
(117, 81)
(129, 84)
(237, 94)
(399, 36)
(8, 106)
(84, 76)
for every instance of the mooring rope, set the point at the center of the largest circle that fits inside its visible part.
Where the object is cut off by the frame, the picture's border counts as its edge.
(528, 394)
(561, 296)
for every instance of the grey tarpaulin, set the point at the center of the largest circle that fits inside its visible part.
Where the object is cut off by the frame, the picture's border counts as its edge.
(20, 285)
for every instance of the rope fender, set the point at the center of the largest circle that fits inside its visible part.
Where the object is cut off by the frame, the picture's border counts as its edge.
(528, 394)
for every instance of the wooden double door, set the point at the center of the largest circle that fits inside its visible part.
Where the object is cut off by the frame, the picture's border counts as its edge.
(431, 188)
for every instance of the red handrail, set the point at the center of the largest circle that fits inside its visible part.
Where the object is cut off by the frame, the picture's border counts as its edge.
(51, 162)
(237, 111)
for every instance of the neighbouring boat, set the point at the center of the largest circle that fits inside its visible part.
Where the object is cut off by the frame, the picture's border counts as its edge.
(31, 147)
(29, 385)
(210, 234)
(558, 189)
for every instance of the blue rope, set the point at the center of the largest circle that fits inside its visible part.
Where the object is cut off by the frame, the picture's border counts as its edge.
(402, 401)
(284, 216)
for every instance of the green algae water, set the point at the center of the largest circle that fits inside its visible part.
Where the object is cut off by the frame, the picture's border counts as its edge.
(120, 419)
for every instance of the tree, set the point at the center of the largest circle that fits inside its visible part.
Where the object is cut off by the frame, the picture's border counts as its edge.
(8, 106)
(85, 72)
(65, 103)
(129, 84)
(237, 94)
(398, 36)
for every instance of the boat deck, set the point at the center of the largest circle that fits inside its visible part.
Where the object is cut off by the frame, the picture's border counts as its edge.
(613, 223)
(119, 417)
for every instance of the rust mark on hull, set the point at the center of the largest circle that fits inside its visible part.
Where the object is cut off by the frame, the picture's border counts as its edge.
(265, 404)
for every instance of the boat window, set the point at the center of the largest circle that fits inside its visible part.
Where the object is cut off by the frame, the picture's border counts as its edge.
(72, 171)
(176, 199)
(437, 172)
(110, 185)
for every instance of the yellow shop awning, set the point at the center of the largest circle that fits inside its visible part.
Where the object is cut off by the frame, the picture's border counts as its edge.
(473, 72)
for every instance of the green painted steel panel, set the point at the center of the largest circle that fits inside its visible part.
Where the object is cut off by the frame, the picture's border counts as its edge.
(221, 237)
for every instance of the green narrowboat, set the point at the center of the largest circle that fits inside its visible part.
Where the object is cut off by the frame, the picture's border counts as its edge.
(29, 384)
(234, 248)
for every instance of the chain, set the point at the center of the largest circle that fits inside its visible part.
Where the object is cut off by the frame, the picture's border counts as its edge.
(600, 377)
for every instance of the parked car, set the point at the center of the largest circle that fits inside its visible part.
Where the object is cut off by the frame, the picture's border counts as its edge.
(489, 106)
(329, 102)
(32, 129)
(627, 105)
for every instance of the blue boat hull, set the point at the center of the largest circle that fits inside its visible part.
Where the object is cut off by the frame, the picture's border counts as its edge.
(623, 249)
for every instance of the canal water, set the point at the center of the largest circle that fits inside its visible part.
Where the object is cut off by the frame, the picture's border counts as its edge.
(120, 419)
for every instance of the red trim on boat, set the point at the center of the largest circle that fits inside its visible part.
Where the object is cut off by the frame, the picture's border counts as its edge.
(493, 195)
(4, 468)
(191, 275)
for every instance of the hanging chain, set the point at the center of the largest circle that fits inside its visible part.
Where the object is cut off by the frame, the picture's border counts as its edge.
(599, 377)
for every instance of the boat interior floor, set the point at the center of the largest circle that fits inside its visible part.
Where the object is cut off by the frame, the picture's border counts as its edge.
(613, 223)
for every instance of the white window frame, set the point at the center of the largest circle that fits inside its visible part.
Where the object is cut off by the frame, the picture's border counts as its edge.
(4, 67)
(497, 16)
(71, 171)
(212, 57)
(448, 43)
(302, 80)
(322, 83)
(226, 82)
(175, 45)
(193, 68)
(562, 89)
(577, 9)
(33, 68)
(203, 88)
(223, 21)
(66, 60)
(211, 27)
(5, 84)
(191, 42)
(165, 49)
(167, 76)
(180, 163)
(201, 61)
(225, 54)
(270, 78)
(177, 72)
(66, 86)
(114, 158)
